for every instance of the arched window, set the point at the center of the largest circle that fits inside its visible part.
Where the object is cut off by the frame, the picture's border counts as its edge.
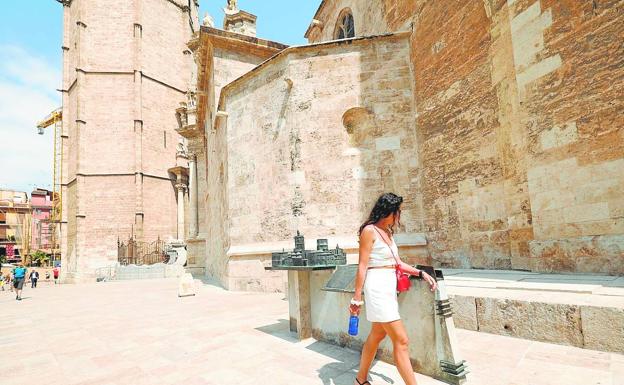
(345, 27)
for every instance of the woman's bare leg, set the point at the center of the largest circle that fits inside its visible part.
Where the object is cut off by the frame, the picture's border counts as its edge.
(400, 347)
(376, 335)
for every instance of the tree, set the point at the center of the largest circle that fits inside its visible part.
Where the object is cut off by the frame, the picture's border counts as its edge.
(40, 257)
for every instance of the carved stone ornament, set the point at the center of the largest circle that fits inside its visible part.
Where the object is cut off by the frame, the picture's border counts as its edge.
(232, 7)
(208, 21)
(181, 148)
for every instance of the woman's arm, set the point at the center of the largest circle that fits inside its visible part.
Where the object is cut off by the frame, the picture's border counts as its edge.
(409, 269)
(366, 244)
(414, 271)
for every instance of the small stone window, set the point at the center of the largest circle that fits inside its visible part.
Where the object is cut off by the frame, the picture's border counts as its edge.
(345, 28)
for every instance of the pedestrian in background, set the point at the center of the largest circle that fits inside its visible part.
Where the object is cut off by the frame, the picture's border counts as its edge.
(55, 271)
(34, 277)
(7, 281)
(19, 276)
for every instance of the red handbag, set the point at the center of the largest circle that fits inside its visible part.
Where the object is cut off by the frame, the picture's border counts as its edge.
(403, 281)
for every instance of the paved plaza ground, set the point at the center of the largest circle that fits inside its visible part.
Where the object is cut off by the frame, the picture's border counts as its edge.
(140, 332)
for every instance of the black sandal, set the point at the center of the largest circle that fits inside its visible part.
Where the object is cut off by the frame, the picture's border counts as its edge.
(362, 383)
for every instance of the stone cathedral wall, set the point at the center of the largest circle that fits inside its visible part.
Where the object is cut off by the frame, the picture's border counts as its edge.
(312, 137)
(518, 127)
(296, 135)
(222, 58)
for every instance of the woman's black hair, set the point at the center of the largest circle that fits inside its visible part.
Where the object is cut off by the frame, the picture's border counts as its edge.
(386, 204)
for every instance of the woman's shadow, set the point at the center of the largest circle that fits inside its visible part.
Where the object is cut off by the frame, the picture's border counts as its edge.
(340, 372)
(343, 371)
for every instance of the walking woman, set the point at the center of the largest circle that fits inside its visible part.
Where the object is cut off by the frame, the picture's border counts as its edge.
(376, 276)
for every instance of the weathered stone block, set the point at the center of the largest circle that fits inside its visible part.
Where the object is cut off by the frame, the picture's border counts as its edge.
(616, 207)
(603, 328)
(587, 212)
(608, 170)
(248, 267)
(558, 323)
(464, 312)
(559, 136)
(388, 143)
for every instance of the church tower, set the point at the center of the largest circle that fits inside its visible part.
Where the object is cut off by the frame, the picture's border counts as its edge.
(126, 67)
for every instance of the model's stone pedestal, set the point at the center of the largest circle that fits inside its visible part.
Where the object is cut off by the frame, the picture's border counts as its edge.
(299, 305)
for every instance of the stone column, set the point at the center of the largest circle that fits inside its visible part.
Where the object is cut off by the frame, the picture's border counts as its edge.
(193, 225)
(180, 187)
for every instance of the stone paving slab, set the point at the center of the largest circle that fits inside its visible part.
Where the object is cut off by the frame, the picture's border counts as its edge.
(140, 332)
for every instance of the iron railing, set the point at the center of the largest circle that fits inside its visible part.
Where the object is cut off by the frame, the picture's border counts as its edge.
(133, 252)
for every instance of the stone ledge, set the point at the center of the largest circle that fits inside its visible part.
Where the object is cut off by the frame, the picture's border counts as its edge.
(575, 289)
(545, 308)
(589, 327)
(189, 131)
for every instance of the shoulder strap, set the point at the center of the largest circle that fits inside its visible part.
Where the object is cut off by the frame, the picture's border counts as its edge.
(389, 246)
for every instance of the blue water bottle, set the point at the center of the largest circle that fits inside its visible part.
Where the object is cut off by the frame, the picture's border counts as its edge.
(353, 324)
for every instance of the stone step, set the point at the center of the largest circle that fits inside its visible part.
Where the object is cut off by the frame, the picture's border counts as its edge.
(584, 311)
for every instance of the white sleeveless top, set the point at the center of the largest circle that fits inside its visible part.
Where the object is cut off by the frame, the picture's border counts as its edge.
(380, 254)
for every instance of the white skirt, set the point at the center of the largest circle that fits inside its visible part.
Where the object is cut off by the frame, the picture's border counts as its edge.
(380, 295)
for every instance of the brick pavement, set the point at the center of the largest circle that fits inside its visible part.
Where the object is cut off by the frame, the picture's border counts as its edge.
(140, 332)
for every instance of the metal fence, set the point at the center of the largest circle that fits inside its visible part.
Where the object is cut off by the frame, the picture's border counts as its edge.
(133, 252)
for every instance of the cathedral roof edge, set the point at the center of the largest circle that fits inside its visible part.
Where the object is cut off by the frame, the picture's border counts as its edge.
(210, 31)
(301, 48)
(315, 17)
(320, 8)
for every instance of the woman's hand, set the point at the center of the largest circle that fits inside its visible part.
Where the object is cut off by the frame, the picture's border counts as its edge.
(433, 285)
(355, 309)
(355, 305)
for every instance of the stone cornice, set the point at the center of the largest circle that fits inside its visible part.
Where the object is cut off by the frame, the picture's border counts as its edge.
(237, 41)
(189, 131)
(127, 73)
(179, 170)
(83, 175)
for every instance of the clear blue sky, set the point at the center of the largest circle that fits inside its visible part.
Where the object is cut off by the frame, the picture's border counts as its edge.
(30, 71)
(284, 21)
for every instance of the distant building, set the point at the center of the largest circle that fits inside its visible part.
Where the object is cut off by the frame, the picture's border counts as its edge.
(41, 228)
(15, 221)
